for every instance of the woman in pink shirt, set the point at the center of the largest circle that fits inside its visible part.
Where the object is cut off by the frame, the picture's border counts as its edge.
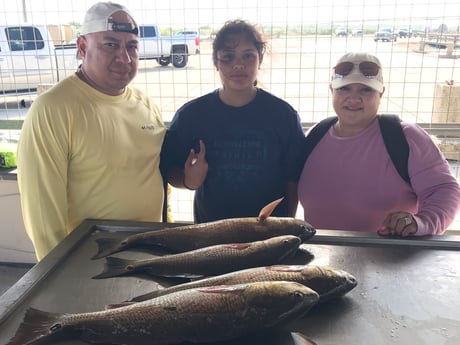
(349, 181)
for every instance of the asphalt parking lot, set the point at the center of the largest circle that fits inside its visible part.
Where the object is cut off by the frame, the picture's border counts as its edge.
(298, 69)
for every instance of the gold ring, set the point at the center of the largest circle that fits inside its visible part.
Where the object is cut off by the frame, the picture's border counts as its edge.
(407, 220)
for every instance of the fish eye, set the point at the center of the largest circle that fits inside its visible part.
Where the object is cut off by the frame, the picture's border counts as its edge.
(299, 294)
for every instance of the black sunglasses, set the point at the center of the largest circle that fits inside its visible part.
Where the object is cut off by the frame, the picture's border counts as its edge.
(367, 68)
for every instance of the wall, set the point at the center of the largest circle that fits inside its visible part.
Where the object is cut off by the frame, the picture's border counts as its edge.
(15, 245)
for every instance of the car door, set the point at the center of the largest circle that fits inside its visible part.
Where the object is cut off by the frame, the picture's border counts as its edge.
(30, 61)
(149, 43)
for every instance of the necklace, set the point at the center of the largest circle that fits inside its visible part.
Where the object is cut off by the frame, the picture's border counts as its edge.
(83, 76)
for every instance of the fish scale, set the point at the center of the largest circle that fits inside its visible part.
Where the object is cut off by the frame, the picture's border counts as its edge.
(190, 237)
(205, 314)
(212, 260)
(329, 282)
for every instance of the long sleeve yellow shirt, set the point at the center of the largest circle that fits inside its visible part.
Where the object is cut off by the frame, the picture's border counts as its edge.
(84, 154)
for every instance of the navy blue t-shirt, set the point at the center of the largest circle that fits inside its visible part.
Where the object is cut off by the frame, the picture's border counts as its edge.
(252, 152)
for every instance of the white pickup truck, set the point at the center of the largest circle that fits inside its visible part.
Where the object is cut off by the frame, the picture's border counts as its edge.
(29, 58)
(166, 49)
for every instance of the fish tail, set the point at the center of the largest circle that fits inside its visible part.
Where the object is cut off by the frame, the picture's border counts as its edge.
(106, 246)
(38, 327)
(116, 267)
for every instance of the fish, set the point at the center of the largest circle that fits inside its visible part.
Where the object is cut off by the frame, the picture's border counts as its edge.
(329, 282)
(205, 314)
(207, 261)
(190, 237)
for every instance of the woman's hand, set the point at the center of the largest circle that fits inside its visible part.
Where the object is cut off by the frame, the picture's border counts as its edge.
(398, 224)
(195, 168)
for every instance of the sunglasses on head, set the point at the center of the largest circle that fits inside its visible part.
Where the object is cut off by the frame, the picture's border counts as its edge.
(367, 69)
(123, 27)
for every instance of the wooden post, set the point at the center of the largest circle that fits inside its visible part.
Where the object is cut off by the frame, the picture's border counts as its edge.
(446, 103)
(421, 47)
(450, 49)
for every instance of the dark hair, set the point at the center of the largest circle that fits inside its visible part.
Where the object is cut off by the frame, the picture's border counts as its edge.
(225, 37)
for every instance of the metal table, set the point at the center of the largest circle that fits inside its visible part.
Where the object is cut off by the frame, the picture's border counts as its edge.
(408, 289)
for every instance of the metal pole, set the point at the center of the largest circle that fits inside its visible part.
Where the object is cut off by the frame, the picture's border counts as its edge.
(24, 12)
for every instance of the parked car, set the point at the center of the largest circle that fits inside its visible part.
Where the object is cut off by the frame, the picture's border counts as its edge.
(420, 31)
(166, 49)
(385, 34)
(187, 33)
(341, 32)
(357, 32)
(404, 33)
(28, 57)
(190, 35)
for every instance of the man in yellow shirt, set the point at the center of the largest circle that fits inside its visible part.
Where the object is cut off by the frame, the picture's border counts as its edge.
(90, 146)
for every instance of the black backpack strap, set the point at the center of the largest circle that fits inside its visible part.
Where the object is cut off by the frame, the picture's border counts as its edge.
(392, 133)
(315, 134)
(395, 143)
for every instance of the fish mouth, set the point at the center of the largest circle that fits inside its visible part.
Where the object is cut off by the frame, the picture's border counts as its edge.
(307, 233)
(340, 290)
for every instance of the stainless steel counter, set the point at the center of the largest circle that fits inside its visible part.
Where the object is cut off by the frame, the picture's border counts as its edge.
(408, 290)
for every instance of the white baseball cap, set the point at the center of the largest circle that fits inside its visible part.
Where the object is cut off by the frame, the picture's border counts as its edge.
(361, 68)
(99, 18)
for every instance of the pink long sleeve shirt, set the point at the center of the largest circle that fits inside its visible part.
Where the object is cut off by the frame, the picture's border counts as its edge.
(351, 183)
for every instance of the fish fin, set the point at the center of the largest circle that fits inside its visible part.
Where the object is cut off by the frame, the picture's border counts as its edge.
(115, 267)
(301, 339)
(182, 276)
(268, 209)
(38, 327)
(106, 246)
(163, 281)
(119, 305)
(302, 256)
(144, 297)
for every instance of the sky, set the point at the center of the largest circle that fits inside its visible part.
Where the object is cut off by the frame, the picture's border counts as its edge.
(213, 13)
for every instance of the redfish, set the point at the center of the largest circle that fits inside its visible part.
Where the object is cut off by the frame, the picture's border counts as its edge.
(207, 261)
(191, 237)
(200, 315)
(327, 281)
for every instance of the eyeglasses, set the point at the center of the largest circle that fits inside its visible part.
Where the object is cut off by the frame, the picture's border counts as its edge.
(367, 68)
